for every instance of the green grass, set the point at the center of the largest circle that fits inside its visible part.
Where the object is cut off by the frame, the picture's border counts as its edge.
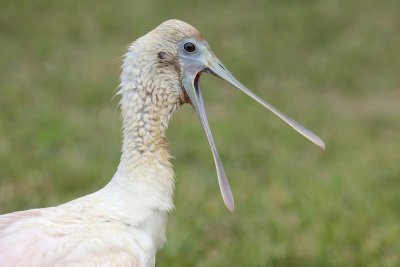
(332, 65)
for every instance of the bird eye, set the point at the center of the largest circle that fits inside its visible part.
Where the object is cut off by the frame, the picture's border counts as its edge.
(189, 47)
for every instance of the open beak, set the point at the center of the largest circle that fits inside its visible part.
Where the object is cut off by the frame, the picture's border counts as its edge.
(212, 65)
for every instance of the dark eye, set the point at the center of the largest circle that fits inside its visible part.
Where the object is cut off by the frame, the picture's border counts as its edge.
(189, 47)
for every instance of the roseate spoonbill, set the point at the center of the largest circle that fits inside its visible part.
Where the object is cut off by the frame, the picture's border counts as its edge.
(123, 224)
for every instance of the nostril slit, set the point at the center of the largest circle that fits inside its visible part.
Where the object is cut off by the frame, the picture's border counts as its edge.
(221, 66)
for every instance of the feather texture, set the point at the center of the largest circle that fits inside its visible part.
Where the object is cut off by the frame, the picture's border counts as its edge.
(124, 223)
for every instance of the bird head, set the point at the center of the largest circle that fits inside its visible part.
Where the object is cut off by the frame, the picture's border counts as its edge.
(179, 51)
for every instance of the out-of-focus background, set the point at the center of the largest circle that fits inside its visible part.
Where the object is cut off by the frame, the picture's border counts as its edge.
(332, 65)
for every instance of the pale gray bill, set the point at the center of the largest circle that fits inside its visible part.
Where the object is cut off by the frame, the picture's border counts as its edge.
(196, 98)
(220, 71)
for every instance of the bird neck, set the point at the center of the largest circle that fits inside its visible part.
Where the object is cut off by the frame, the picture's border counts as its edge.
(144, 124)
(145, 160)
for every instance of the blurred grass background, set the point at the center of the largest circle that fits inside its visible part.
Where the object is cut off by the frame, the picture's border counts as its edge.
(332, 65)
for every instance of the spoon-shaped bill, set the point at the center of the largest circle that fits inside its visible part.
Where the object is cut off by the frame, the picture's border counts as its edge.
(194, 92)
(216, 68)
(208, 62)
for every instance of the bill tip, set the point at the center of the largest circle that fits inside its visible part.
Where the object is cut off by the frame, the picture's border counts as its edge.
(322, 145)
(231, 209)
(230, 206)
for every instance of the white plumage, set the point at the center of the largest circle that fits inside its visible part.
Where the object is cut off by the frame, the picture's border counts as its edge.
(124, 223)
